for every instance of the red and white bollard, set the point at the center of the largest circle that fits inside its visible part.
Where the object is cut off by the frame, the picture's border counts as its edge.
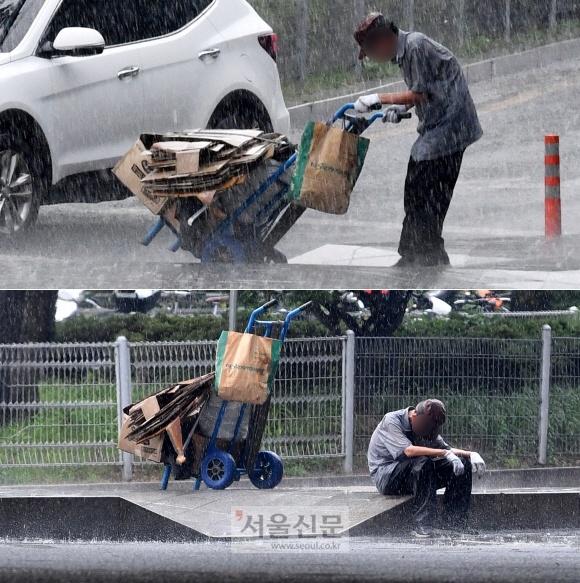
(553, 204)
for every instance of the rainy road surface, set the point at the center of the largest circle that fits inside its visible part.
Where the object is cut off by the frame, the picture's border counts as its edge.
(494, 230)
(483, 559)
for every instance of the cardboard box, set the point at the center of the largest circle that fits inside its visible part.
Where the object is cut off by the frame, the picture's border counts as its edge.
(150, 449)
(131, 169)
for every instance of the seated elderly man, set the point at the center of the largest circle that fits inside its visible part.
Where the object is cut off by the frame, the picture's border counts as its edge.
(407, 456)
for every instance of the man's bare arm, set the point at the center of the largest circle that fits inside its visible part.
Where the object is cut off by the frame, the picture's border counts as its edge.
(418, 451)
(461, 452)
(408, 98)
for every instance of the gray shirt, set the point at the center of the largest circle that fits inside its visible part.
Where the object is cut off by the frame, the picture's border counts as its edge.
(448, 121)
(389, 441)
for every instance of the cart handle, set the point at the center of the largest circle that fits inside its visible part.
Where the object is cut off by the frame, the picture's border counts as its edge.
(377, 108)
(340, 113)
(257, 312)
(289, 317)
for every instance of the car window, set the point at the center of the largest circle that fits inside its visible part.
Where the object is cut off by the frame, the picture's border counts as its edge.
(126, 21)
(16, 17)
(161, 17)
(116, 20)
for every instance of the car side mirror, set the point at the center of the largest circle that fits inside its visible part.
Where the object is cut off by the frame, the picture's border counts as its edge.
(78, 42)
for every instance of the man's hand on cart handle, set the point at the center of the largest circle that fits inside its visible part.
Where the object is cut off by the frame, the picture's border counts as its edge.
(367, 103)
(395, 114)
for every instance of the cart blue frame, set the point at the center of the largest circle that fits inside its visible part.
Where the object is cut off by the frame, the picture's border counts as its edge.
(212, 449)
(223, 236)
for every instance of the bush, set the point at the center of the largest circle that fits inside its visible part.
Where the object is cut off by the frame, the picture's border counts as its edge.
(163, 328)
(476, 326)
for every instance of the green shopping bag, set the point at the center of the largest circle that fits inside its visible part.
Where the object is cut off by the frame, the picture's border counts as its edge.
(246, 366)
(329, 163)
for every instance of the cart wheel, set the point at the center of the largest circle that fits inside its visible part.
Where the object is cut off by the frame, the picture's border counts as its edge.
(268, 471)
(218, 470)
(223, 249)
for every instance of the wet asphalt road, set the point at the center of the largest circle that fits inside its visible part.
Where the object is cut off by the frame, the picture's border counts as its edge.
(495, 219)
(495, 559)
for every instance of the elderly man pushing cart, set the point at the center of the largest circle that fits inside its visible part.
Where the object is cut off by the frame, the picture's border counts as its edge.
(448, 124)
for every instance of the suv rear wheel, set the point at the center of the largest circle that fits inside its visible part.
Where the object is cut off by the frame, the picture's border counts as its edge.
(240, 115)
(21, 190)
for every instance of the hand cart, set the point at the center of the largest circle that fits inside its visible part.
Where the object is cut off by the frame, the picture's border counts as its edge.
(220, 464)
(256, 215)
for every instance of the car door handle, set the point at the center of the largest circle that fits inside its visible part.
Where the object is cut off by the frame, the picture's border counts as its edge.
(128, 72)
(215, 53)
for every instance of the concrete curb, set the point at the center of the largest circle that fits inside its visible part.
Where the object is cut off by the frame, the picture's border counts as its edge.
(564, 477)
(475, 73)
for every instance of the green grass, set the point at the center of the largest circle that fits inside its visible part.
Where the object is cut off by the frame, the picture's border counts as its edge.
(87, 415)
(504, 430)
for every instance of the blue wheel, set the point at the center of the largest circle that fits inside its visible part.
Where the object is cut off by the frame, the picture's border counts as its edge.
(223, 249)
(218, 470)
(268, 471)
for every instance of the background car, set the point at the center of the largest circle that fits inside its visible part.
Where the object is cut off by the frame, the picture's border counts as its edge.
(81, 79)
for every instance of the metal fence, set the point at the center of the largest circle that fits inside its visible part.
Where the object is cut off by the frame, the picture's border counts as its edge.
(490, 388)
(305, 419)
(60, 404)
(564, 415)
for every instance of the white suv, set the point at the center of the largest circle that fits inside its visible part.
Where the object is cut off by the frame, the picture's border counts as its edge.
(81, 79)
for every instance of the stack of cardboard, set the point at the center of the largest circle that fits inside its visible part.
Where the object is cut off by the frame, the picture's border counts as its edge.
(200, 163)
(145, 423)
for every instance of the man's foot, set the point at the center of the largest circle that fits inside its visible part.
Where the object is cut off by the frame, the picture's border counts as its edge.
(424, 261)
(434, 261)
(421, 531)
(406, 262)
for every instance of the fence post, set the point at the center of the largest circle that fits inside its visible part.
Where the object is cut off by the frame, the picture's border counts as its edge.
(462, 23)
(553, 15)
(233, 311)
(508, 21)
(302, 41)
(410, 15)
(123, 375)
(349, 403)
(359, 9)
(545, 394)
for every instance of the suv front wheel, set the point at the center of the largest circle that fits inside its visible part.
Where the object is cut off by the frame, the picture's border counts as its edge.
(20, 186)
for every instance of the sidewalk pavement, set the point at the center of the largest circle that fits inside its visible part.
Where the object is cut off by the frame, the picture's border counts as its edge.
(508, 499)
(517, 262)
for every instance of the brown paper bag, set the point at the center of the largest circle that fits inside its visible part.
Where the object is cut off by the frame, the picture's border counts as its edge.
(246, 366)
(329, 163)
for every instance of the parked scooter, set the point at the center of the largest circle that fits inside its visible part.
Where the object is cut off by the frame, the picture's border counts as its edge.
(443, 302)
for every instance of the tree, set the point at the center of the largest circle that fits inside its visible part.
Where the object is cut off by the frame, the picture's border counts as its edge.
(25, 316)
(365, 312)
